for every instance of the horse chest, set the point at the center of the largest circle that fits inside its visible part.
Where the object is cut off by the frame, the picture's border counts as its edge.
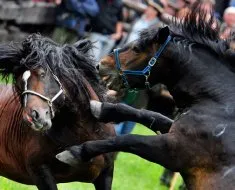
(208, 138)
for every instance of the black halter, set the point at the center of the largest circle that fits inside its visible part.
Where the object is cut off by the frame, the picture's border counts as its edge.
(146, 71)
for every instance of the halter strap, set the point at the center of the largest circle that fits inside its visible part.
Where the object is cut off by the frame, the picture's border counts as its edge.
(42, 96)
(146, 71)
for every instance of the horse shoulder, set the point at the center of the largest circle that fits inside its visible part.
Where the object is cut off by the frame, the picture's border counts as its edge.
(13, 134)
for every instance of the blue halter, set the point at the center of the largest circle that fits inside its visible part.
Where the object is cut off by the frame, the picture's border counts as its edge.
(146, 71)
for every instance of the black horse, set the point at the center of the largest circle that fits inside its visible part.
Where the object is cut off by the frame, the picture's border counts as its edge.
(47, 110)
(198, 69)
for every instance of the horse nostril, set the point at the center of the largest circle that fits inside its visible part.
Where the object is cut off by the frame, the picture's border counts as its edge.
(47, 112)
(35, 115)
(97, 67)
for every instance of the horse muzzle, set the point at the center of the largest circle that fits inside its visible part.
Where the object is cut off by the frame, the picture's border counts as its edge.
(109, 76)
(38, 119)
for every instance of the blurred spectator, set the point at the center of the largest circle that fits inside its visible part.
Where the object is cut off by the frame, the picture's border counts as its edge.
(220, 6)
(228, 26)
(148, 18)
(173, 6)
(232, 3)
(72, 18)
(106, 27)
(49, 1)
(137, 5)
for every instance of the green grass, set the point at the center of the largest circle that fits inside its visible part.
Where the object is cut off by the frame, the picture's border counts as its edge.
(131, 173)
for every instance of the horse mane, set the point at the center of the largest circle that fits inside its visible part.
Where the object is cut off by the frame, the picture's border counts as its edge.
(196, 28)
(200, 28)
(72, 64)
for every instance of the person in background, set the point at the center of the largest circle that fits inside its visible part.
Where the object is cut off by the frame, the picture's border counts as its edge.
(232, 3)
(150, 17)
(228, 25)
(173, 6)
(72, 19)
(220, 6)
(106, 27)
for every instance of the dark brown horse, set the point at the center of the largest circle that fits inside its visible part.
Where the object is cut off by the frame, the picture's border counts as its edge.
(46, 110)
(198, 69)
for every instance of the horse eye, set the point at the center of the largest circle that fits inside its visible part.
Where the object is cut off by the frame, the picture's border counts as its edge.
(136, 49)
(42, 75)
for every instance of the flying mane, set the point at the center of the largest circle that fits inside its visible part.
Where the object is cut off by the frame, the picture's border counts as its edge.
(195, 28)
(70, 63)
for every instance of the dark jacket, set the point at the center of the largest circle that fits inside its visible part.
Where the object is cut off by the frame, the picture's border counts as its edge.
(110, 13)
(74, 14)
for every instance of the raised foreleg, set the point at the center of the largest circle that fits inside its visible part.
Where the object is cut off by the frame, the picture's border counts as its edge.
(158, 149)
(108, 112)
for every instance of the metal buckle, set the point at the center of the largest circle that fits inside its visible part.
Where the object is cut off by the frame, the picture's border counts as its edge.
(152, 61)
(121, 73)
(146, 80)
(147, 85)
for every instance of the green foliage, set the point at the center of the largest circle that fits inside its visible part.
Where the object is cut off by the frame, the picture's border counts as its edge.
(5, 81)
(131, 173)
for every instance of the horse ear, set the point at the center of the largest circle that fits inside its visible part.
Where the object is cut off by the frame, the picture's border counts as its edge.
(83, 45)
(163, 34)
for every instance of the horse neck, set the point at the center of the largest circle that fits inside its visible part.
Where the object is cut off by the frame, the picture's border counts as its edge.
(10, 109)
(200, 75)
(74, 125)
(13, 133)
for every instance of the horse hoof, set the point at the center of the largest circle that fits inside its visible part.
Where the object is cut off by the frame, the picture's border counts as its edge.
(96, 108)
(68, 158)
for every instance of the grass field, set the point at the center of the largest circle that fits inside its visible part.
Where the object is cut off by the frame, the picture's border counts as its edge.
(131, 173)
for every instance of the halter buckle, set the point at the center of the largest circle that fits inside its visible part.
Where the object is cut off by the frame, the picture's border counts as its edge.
(121, 73)
(152, 61)
(49, 103)
(146, 80)
(147, 85)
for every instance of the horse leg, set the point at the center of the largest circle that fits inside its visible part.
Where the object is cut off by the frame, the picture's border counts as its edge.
(107, 112)
(105, 179)
(43, 178)
(158, 149)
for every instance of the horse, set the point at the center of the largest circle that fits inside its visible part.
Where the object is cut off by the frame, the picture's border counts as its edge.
(198, 69)
(46, 109)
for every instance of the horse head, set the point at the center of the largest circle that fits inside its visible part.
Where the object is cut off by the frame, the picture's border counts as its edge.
(47, 77)
(132, 65)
